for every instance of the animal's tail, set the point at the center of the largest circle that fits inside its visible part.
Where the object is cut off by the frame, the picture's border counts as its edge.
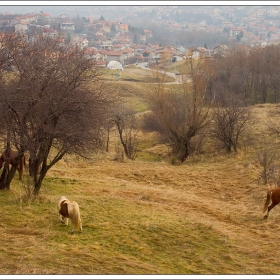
(268, 198)
(76, 217)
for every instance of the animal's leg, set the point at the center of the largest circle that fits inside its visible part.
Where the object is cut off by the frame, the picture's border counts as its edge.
(65, 221)
(61, 218)
(20, 173)
(266, 215)
(268, 209)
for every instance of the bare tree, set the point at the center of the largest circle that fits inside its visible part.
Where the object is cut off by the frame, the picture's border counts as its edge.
(128, 128)
(260, 69)
(55, 103)
(232, 74)
(273, 69)
(267, 158)
(179, 110)
(230, 121)
(250, 76)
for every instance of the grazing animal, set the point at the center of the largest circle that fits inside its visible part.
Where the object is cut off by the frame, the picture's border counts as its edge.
(69, 209)
(13, 155)
(273, 196)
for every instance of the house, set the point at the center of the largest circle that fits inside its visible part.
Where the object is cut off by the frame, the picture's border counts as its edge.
(118, 47)
(226, 24)
(27, 18)
(153, 46)
(4, 23)
(113, 55)
(14, 21)
(67, 25)
(143, 39)
(235, 31)
(148, 33)
(181, 50)
(99, 33)
(43, 17)
(82, 43)
(127, 53)
(50, 32)
(221, 50)
(123, 26)
(21, 27)
(163, 54)
(64, 16)
(106, 29)
(125, 42)
(138, 48)
(200, 52)
(106, 45)
(91, 53)
(103, 55)
(90, 19)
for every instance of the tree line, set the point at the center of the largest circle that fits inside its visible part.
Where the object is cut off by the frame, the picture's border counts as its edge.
(251, 76)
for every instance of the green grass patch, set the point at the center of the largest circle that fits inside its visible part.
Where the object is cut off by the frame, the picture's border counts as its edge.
(145, 154)
(129, 236)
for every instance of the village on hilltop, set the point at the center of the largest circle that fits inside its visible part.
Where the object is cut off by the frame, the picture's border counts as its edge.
(113, 40)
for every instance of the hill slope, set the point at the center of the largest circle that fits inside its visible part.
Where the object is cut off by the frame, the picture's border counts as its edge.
(144, 217)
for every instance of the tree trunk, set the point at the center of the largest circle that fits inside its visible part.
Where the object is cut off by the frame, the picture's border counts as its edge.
(37, 185)
(38, 181)
(184, 150)
(34, 173)
(108, 139)
(186, 153)
(40, 167)
(10, 175)
(33, 167)
(120, 130)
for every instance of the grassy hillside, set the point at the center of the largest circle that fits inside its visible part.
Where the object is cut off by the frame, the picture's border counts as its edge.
(146, 216)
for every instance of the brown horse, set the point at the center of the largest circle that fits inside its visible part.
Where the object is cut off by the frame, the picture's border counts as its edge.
(273, 196)
(13, 155)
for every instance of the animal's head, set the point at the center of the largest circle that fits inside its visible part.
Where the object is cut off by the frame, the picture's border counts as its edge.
(62, 198)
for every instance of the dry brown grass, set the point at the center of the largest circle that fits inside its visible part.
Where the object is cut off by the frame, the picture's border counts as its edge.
(146, 217)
